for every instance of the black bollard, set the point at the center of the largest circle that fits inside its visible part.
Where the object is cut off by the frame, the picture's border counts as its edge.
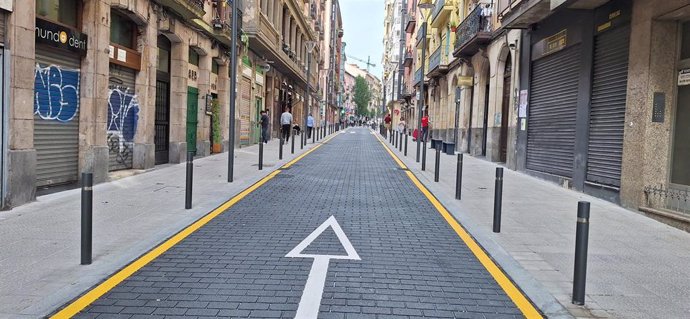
(313, 135)
(405, 143)
(424, 155)
(280, 148)
(261, 155)
(498, 199)
(581, 243)
(294, 136)
(395, 142)
(438, 164)
(86, 217)
(190, 177)
(458, 178)
(303, 139)
(400, 145)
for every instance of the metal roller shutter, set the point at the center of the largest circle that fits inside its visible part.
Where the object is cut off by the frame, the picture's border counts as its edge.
(607, 110)
(3, 20)
(123, 109)
(552, 113)
(56, 117)
(245, 109)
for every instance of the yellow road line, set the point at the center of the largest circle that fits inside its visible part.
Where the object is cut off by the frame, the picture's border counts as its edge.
(518, 298)
(397, 160)
(292, 162)
(95, 293)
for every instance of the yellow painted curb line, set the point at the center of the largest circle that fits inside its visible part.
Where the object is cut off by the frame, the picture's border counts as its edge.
(518, 298)
(114, 280)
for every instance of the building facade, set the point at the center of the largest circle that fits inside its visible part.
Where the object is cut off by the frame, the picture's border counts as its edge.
(587, 94)
(124, 85)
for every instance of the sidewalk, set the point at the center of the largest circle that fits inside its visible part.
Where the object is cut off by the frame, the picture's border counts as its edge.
(637, 267)
(40, 241)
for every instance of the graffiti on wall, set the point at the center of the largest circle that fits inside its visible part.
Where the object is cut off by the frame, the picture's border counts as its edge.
(123, 115)
(56, 93)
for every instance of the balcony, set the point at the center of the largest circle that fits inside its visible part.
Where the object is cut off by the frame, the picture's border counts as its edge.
(421, 33)
(187, 9)
(472, 34)
(438, 62)
(520, 14)
(442, 10)
(411, 23)
(408, 59)
(417, 77)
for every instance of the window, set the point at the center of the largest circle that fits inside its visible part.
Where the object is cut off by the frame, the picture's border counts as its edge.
(193, 57)
(163, 63)
(214, 67)
(62, 11)
(122, 30)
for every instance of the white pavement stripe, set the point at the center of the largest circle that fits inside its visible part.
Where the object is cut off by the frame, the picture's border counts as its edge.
(313, 290)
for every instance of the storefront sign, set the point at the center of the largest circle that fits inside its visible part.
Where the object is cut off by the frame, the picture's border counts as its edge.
(522, 108)
(684, 77)
(60, 37)
(555, 42)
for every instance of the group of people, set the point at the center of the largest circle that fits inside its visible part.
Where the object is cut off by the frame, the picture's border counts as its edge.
(402, 126)
(286, 125)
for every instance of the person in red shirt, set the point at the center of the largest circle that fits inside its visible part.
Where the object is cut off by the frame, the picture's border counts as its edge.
(425, 127)
(387, 122)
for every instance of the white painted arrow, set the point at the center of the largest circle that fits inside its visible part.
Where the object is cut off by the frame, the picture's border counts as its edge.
(313, 290)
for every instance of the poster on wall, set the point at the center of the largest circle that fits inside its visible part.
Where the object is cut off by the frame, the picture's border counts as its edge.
(684, 77)
(522, 109)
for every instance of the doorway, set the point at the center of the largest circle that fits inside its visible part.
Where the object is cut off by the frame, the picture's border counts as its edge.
(486, 119)
(192, 117)
(162, 119)
(505, 110)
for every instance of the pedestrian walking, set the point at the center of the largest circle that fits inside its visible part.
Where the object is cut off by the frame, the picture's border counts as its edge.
(425, 126)
(310, 125)
(402, 125)
(286, 124)
(264, 127)
(387, 122)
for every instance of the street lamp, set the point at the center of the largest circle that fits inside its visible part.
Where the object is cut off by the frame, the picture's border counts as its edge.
(424, 6)
(310, 47)
(233, 88)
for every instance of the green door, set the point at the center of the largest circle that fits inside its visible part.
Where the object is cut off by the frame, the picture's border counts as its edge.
(192, 117)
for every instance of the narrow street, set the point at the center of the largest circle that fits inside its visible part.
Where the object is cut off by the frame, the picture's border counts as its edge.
(344, 232)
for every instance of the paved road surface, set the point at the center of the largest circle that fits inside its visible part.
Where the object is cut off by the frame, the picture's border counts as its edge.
(346, 211)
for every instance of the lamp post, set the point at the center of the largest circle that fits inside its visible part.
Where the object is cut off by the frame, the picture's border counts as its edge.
(310, 47)
(233, 89)
(423, 5)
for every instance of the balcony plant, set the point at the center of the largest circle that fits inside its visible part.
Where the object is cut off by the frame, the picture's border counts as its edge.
(454, 22)
(215, 126)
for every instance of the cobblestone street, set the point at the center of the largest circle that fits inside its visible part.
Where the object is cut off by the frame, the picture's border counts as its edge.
(383, 247)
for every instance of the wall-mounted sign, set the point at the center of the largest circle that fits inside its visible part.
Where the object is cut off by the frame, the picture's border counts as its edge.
(522, 106)
(214, 83)
(684, 77)
(193, 75)
(60, 37)
(465, 81)
(124, 56)
(209, 104)
(555, 42)
(658, 107)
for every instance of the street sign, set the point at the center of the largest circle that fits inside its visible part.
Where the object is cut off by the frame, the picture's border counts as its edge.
(465, 81)
(313, 290)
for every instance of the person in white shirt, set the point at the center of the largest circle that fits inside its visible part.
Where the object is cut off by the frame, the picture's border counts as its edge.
(401, 125)
(286, 124)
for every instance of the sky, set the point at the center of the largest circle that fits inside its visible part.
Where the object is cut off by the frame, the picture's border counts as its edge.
(363, 31)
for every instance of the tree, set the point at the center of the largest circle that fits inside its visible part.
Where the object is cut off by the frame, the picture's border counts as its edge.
(362, 96)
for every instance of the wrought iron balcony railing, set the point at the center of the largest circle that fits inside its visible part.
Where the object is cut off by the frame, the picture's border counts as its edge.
(473, 32)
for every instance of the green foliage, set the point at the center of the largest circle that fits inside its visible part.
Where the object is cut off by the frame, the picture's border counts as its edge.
(215, 125)
(362, 95)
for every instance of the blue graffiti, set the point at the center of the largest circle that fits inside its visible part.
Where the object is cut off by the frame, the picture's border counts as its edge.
(56, 93)
(123, 114)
